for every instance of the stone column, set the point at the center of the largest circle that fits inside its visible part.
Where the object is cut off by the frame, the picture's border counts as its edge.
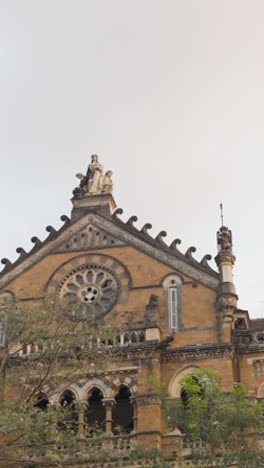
(108, 403)
(226, 302)
(81, 406)
(134, 404)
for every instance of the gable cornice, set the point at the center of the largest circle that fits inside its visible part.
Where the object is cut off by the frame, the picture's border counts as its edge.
(124, 232)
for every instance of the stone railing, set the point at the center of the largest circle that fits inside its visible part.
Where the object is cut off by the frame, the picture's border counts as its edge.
(127, 338)
(248, 337)
(117, 445)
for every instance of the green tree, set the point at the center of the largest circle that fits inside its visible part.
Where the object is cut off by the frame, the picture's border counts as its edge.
(219, 429)
(63, 350)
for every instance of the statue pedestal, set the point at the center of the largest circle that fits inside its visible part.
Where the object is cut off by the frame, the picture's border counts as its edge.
(103, 204)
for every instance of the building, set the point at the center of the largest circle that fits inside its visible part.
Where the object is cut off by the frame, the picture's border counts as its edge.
(177, 313)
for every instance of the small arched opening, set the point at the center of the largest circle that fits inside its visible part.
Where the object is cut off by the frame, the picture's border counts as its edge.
(240, 324)
(95, 413)
(122, 414)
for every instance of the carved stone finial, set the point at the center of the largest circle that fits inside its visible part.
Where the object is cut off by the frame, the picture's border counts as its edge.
(131, 221)
(205, 259)
(224, 247)
(22, 253)
(145, 228)
(160, 236)
(189, 252)
(7, 263)
(95, 182)
(224, 240)
(117, 212)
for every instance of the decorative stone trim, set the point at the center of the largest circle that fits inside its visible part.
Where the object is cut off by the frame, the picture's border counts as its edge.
(249, 338)
(147, 399)
(198, 352)
(89, 238)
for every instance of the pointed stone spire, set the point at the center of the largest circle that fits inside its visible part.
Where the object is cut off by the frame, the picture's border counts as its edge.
(225, 259)
(94, 192)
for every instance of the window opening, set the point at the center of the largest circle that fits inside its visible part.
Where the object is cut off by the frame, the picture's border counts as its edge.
(142, 337)
(122, 414)
(173, 298)
(95, 413)
(134, 338)
(70, 419)
(240, 324)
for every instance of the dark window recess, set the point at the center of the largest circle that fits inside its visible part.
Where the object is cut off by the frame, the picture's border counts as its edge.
(42, 402)
(240, 324)
(95, 413)
(70, 419)
(122, 414)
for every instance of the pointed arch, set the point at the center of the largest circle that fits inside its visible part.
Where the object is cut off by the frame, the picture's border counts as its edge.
(95, 383)
(175, 387)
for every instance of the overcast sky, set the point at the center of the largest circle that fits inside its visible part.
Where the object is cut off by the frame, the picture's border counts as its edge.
(168, 93)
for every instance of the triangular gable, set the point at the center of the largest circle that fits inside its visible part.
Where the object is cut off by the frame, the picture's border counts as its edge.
(95, 231)
(91, 237)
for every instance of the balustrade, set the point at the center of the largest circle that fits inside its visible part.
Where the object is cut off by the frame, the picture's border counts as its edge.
(127, 338)
(249, 337)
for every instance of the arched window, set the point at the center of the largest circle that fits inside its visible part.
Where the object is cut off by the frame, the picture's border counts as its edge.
(240, 324)
(172, 290)
(122, 413)
(95, 413)
(70, 419)
(175, 387)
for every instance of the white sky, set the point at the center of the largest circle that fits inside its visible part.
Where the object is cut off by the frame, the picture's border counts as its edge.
(168, 93)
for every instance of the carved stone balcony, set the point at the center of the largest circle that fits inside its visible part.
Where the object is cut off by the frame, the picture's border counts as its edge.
(249, 338)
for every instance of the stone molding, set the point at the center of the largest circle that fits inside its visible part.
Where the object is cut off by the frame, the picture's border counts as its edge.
(198, 352)
(147, 399)
(225, 257)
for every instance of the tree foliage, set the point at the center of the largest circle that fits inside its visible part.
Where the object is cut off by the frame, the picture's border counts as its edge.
(62, 344)
(219, 429)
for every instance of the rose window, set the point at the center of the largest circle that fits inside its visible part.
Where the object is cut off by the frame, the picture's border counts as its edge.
(94, 288)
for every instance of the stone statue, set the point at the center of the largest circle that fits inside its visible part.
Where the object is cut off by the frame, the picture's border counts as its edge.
(94, 175)
(94, 182)
(224, 240)
(107, 184)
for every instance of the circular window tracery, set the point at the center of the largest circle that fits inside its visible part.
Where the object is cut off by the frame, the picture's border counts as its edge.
(93, 286)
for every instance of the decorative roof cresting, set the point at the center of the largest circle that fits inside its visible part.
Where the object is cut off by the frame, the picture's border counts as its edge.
(95, 182)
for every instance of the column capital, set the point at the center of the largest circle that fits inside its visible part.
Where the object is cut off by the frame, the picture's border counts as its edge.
(108, 402)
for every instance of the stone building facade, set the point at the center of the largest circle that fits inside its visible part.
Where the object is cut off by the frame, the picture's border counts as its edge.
(177, 313)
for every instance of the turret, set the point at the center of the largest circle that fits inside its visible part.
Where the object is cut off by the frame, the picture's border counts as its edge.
(226, 302)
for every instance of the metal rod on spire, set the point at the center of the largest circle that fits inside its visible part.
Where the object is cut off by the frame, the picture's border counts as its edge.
(222, 214)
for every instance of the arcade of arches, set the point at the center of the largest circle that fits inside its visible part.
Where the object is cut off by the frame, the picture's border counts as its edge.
(96, 414)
